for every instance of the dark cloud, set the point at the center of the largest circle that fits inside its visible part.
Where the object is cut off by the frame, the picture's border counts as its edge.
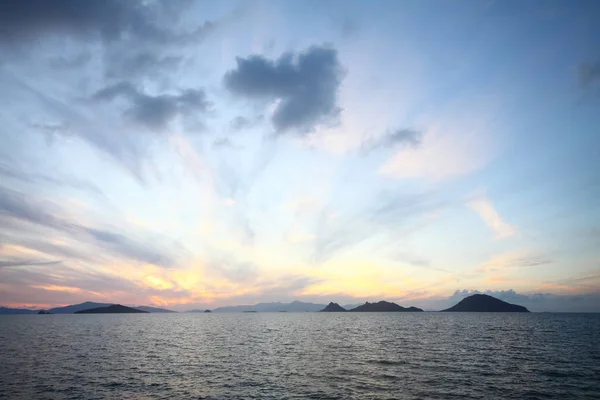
(133, 35)
(589, 73)
(398, 137)
(18, 212)
(110, 19)
(156, 112)
(142, 64)
(24, 263)
(306, 86)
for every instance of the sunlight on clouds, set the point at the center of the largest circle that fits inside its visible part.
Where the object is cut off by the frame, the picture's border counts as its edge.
(441, 155)
(67, 289)
(484, 208)
(360, 278)
(158, 283)
(12, 250)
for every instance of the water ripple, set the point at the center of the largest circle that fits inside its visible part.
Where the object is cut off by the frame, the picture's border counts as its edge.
(300, 356)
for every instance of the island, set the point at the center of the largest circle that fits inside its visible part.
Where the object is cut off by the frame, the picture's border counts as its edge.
(44, 312)
(484, 303)
(333, 307)
(112, 309)
(384, 306)
(207, 311)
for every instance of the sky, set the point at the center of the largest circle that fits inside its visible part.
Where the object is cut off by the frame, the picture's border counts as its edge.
(192, 154)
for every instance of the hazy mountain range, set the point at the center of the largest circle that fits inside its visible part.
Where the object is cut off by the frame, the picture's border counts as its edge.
(71, 309)
(473, 303)
(295, 306)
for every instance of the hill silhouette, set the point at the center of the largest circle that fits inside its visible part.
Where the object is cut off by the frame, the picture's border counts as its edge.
(112, 309)
(484, 303)
(384, 306)
(73, 308)
(333, 307)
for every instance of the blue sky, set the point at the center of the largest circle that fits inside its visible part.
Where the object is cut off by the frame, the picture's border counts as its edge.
(186, 154)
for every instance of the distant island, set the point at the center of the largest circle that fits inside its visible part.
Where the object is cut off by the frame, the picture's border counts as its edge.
(384, 306)
(112, 309)
(74, 308)
(333, 307)
(154, 310)
(473, 303)
(484, 303)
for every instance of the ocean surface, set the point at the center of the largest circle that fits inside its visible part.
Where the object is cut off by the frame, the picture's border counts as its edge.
(300, 356)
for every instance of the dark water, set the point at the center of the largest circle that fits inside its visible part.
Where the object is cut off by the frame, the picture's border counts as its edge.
(297, 356)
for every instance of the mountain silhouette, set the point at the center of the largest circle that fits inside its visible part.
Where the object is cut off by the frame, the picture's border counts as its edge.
(333, 307)
(484, 303)
(73, 308)
(112, 309)
(384, 306)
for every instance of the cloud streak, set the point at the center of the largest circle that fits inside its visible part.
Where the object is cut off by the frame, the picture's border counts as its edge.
(490, 216)
(398, 137)
(18, 212)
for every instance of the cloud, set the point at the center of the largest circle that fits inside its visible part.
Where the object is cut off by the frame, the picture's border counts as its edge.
(145, 63)
(484, 208)
(111, 20)
(588, 73)
(145, 252)
(241, 123)
(156, 112)
(16, 172)
(223, 143)
(304, 86)
(455, 143)
(19, 211)
(24, 263)
(501, 262)
(398, 137)
(391, 215)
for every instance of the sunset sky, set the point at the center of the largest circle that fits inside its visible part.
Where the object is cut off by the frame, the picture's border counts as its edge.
(198, 154)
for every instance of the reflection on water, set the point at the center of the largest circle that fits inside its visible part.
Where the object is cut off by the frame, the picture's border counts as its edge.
(310, 355)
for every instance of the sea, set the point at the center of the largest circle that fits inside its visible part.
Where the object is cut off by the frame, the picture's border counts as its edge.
(427, 355)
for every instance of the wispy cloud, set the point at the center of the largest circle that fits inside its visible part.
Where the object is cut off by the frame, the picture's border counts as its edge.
(391, 139)
(492, 218)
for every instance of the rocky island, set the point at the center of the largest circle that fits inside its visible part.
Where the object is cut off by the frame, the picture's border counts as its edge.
(112, 309)
(484, 303)
(333, 307)
(384, 306)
